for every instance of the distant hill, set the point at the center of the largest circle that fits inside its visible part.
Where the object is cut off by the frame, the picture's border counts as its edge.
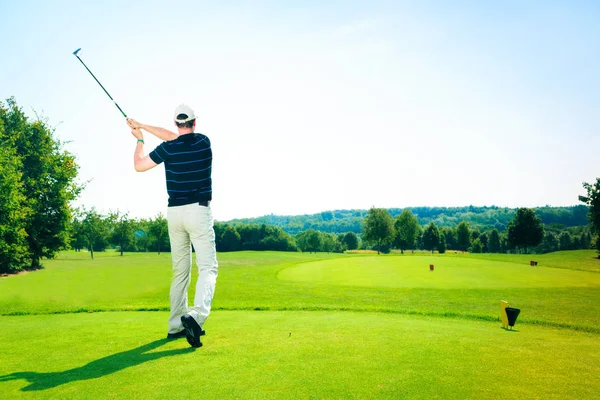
(483, 218)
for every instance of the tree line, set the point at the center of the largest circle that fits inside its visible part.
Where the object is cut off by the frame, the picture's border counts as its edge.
(482, 218)
(93, 231)
(525, 233)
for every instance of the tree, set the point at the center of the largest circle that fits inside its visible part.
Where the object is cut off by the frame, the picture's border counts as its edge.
(483, 238)
(159, 230)
(549, 243)
(328, 242)
(419, 239)
(592, 199)
(309, 240)
(274, 238)
(230, 239)
(442, 244)
(525, 229)
(585, 240)
(406, 230)
(350, 241)
(494, 242)
(378, 227)
(463, 236)
(565, 241)
(449, 237)
(14, 252)
(141, 228)
(475, 234)
(95, 230)
(47, 185)
(250, 236)
(476, 246)
(431, 237)
(78, 240)
(123, 234)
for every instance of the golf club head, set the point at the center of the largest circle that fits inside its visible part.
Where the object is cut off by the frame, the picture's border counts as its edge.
(76, 51)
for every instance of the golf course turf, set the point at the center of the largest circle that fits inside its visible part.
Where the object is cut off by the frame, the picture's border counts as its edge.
(293, 325)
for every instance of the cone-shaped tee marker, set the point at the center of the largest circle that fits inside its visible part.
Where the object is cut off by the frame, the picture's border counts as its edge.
(512, 314)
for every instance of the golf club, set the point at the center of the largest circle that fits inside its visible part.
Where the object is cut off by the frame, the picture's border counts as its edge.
(75, 54)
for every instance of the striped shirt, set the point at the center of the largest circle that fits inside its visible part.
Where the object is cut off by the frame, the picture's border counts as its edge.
(188, 165)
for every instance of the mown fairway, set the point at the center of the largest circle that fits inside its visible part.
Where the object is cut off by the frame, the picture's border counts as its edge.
(290, 325)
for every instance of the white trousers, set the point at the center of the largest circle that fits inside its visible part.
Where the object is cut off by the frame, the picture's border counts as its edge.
(191, 224)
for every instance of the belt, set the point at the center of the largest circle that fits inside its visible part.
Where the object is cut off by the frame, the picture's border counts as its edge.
(204, 203)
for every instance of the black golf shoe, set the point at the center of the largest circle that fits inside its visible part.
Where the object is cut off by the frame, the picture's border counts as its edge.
(172, 336)
(192, 330)
(181, 334)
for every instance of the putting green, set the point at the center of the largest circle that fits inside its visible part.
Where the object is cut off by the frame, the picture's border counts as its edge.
(449, 273)
(256, 355)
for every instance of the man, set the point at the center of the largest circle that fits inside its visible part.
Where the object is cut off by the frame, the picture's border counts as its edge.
(188, 162)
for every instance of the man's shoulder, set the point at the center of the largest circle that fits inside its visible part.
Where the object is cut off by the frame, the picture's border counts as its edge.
(201, 137)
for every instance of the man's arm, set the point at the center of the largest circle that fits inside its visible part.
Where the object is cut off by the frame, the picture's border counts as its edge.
(161, 133)
(141, 162)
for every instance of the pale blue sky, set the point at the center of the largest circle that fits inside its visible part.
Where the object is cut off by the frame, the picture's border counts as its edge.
(313, 106)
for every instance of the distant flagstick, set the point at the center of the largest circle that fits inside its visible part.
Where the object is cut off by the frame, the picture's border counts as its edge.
(75, 54)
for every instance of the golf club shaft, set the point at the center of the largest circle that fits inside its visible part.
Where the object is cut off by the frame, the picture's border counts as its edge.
(105, 91)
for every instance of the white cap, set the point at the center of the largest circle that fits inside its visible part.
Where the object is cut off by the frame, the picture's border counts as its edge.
(185, 114)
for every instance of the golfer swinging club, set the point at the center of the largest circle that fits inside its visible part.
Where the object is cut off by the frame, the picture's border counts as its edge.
(188, 161)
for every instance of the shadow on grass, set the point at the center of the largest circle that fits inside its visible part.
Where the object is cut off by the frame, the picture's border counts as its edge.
(95, 369)
(510, 330)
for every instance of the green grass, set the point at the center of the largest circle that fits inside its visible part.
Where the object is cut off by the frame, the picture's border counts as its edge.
(250, 280)
(449, 273)
(362, 326)
(256, 355)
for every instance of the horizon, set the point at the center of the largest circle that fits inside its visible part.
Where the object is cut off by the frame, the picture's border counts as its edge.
(318, 107)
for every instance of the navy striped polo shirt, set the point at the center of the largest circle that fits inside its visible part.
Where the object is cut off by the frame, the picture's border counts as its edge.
(188, 165)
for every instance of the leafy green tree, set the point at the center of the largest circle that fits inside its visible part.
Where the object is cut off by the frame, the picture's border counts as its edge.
(431, 237)
(483, 238)
(476, 246)
(250, 236)
(419, 239)
(442, 245)
(328, 242)
(141, 228)
(549, 243)
(95, 230)
(340, 246)
(475, 233)
(585, 240)
(274, 238)
(123, 234)
(47, 176)
(350, 241)
(576, 242)
(592, 199)
(309, 240)
(14, 253)
(230, 239)
(504, 244)
(159, 230)
(449, 237)
(378, 228)
(494, 241)
(565, 241)
(463, 235)
(405, 226)
(78, 239)
(525, 229)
